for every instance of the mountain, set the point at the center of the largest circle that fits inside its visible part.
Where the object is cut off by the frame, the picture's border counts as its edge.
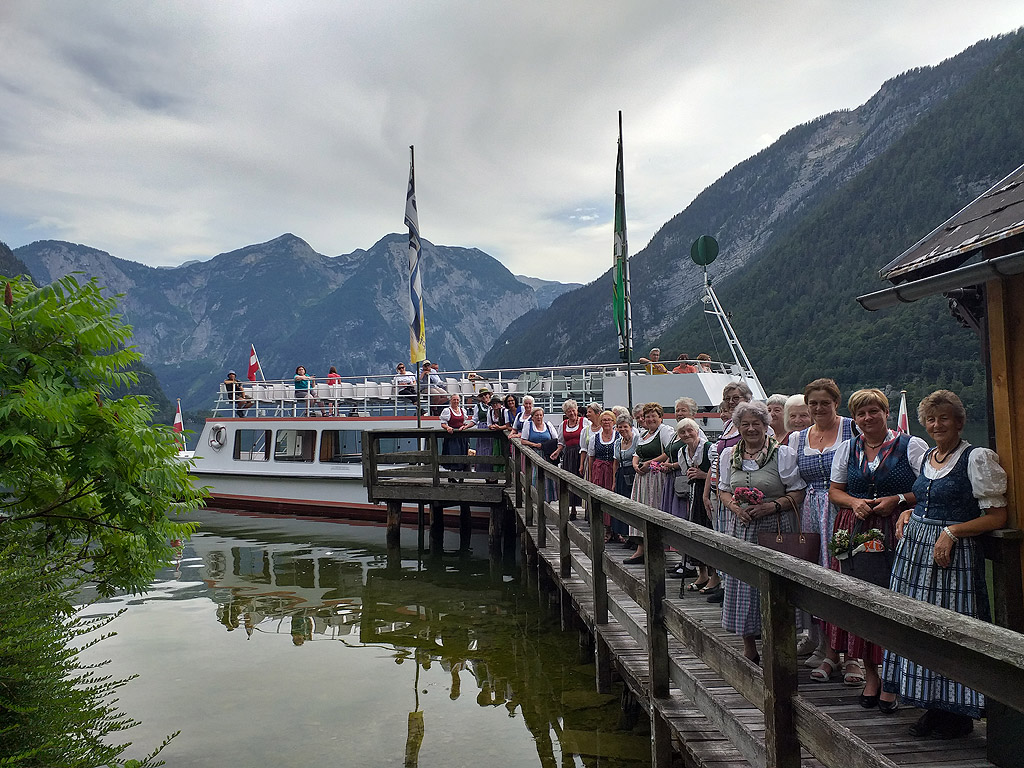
(298, 307)
(547, 290)
(795, 309)
(10, 265)
(750, 210)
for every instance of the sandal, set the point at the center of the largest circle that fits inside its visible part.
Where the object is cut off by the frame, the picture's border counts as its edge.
(853, 675)
(825, 670)
(707, 589)
(697, 586)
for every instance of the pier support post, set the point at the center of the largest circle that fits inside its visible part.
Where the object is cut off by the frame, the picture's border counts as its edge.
(465, 528)
(778, 630)
(394, 534)
(564, 561)
(436, 528)
(542, 508)
(602, 663)
(495, 526)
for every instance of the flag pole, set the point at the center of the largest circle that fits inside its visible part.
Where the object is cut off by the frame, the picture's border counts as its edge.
(620, 288)
(413, 222)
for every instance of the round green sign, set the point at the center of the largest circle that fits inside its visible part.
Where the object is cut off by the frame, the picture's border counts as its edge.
(704, 250)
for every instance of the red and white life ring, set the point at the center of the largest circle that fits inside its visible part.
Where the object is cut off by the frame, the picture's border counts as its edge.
(218, 436)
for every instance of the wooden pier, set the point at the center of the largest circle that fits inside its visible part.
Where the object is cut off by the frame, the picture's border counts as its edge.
(710, 706)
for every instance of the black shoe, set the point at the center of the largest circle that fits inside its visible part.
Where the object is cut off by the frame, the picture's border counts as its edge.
(869, 702)
(953, 726)
(926, 723)
(888, 707)
(716, 596)
(634, 560)
(675, 573)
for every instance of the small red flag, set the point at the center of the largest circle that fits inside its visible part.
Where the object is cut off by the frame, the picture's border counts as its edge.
(902, 422)
(178, 425)
(254, 363)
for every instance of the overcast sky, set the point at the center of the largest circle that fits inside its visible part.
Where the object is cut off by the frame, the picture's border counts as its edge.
(164, 132)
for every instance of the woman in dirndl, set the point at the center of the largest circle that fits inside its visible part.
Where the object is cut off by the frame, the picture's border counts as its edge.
(872, 481)
(568, 451)
(960, 494)
(757, 462)
(649, 483)
(815, 446)
(454, 421)
(625, 474)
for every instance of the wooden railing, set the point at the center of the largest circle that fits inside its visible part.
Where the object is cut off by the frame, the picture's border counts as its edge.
(986, 657)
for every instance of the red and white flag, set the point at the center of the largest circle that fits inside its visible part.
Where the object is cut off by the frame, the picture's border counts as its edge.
(254, 364)
(902, 422)
(178, 425)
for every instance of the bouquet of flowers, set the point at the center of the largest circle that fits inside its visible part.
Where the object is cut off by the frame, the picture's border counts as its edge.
(747, 497)
(654, 466)
(869, 541)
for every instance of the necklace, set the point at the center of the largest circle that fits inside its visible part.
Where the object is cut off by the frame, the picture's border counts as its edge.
(753, 452)
(944, 459)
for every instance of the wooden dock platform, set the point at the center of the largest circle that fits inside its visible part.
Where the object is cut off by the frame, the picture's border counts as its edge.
(694, 735)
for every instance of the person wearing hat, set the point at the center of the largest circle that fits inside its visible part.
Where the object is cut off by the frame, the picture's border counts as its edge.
(480, 414)
(235, 393)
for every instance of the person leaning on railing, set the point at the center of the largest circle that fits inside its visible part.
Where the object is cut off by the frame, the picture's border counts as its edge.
(872, 481)
(569, 445)
(758, 462)
(960, 494)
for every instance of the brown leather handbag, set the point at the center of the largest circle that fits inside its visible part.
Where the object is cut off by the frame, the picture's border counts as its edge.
(801, 545)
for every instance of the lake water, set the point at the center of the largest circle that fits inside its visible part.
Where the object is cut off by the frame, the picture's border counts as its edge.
(277, 642)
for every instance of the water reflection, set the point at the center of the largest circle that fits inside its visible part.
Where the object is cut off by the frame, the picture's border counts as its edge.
(386, 640)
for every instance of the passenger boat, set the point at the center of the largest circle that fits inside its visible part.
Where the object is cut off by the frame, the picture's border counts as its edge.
(302, 456)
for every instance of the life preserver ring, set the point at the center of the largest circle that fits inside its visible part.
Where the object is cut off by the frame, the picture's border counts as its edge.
(218, 436)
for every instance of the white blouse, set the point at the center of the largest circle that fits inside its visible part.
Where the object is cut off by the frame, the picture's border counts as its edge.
(789, 468)
(446, 416)
(591, 447)
(841, 459)
(794, 441)
(988, 478)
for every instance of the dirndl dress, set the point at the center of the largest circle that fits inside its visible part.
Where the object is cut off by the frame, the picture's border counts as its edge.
(674, 505)
(961, 587)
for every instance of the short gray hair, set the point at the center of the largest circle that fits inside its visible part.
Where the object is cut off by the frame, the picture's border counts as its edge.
(793, 401)
(755, 408)
(777, 400)
(739, 386)
(687, 401)
(624, 419)
(569, 404)
(684, 423)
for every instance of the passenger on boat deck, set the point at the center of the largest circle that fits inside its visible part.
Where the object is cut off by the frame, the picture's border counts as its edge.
(961, 494)
(704, 362)
(328, 406)
(651, 364)
(756, 460)
(236, 394)
(302, 383)
(776, 405)
(405, 382)
(432, 383)
(684, 366)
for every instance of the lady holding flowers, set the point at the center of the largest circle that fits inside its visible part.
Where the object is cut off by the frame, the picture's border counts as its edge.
(766, 470)
(872, 480)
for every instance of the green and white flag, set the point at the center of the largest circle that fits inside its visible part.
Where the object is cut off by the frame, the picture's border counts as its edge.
(620, 295)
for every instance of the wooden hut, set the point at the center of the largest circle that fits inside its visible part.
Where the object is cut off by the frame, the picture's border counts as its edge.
(976, 260)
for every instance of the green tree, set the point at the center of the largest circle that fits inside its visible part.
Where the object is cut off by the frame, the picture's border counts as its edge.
(87, 490)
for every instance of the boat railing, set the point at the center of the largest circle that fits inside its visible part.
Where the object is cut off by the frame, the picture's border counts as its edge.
(379, 395)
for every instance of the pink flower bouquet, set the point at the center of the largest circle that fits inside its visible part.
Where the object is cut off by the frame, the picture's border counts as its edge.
(748, 497)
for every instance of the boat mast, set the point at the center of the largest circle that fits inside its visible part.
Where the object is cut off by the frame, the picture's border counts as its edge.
(739, 356)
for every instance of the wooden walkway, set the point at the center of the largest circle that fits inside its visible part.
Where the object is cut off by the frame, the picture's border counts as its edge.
(694, 736)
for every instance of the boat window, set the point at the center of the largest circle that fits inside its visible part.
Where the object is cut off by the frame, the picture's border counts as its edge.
(294, 445)
(341, 446)
(396, 444)
(252, 445)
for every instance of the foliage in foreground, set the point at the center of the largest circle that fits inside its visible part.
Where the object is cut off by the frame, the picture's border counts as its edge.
(55, 711)
(86, 485)
(90, 482)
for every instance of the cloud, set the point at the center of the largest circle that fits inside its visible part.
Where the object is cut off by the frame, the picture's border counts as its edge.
(164, 132)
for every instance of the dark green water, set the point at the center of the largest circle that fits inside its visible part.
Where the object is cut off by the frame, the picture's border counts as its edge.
(292, 643)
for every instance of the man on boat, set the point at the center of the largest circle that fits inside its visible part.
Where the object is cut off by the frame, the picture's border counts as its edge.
(405, 382)
(652, 364)
(685, 366)
(432, 383)
(236, 395)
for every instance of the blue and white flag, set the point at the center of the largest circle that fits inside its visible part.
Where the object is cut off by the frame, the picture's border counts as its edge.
(417, 327)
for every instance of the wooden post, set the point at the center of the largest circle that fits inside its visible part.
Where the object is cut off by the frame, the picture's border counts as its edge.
(465, 528)
(515, 459)
(421, 524)
(542, 523)
(495, 525)
(564, 561)
(435, 464)
(394, 525)
(657, 642)
(778, 630)
(602, 663)
(528, 490)
(436, 528)
(597, 561)
(506, 451)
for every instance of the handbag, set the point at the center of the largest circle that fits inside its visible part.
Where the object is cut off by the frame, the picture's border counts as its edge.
(799, 544)
(874, 567)
(681, 487)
